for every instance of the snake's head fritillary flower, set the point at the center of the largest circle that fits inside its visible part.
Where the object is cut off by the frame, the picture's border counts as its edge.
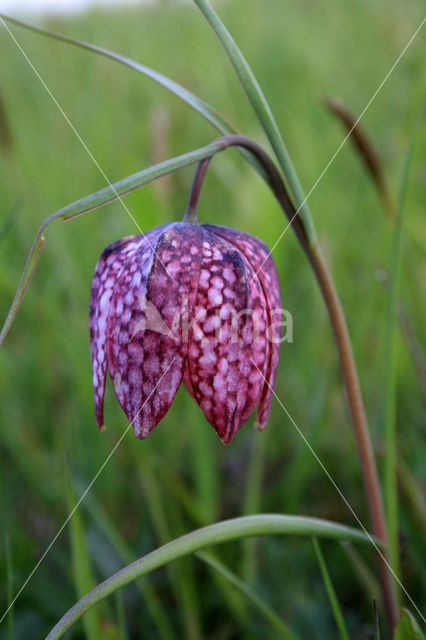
(190, 302)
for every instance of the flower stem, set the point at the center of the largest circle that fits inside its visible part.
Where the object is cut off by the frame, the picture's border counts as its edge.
(191, 213)
(349, 371)
(359, 420)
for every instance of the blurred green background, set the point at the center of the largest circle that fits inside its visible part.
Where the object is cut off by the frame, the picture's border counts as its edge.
(181, 477)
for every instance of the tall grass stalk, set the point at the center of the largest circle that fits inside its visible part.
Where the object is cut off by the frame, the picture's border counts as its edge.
(390, 414)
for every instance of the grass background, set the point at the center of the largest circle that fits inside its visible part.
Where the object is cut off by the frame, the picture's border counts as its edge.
(182, 477)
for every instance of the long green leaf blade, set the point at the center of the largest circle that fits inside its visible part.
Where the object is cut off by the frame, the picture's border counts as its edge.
(199, 105)
(220, 532)
(192, 100)
(262, 110)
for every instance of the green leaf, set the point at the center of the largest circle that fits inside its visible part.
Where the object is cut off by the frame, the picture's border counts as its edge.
(204, 109)
(220, 532)
(192, 100)
(263, 112)
(408, 628)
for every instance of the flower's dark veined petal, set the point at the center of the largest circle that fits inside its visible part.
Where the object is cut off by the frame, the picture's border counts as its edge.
(107, 269)
(146, 350)
(228, 330)
(257, 253)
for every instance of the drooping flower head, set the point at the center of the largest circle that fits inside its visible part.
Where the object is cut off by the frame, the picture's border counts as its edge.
(192, 302)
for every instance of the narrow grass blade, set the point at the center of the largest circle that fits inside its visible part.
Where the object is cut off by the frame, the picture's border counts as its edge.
(391, 485)
(192, 100)
(204, 109)
(181, 578)
(94, 201)
(27, 276)
(376, 620)
(205, 475)
(269, 614)
(220, 532)
(252, 499)
(121, 615)
(366, 151)
(263, 112)
(9, 587)
(408, 628)
(9, 219)
(413, 494)
(414, 348)
(190, 504)
(366, 576)
(6, 138)
(176, 486)
(125, 552)
(332, 598)
(82, 570)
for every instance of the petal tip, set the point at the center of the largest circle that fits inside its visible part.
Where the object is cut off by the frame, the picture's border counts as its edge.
(259, 425)
(228, 436)
(142, 431)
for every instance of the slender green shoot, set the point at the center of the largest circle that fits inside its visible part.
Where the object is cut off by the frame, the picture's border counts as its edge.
(82, 570)
(366, 576)
(331, 593)
(180, 577)
(253, 498)
(391, 484)
(408, 627)
(126, 554)
(268, 613)
(9, 584)
(121, 616)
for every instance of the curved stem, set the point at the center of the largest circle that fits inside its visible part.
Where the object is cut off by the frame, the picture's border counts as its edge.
(350, 375)
(191, 213)
(95, 200)
(260, 525)
(359, 419)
